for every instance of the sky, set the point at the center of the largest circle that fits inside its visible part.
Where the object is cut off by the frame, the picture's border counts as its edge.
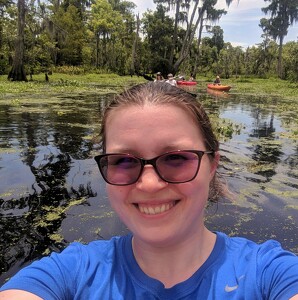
(240, 24)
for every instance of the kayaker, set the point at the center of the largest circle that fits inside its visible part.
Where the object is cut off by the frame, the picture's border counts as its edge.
(171, 80)
(159, 159)
(217, 80)
(158, 77)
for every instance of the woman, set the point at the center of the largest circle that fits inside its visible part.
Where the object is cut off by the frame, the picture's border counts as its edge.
(171, 80)
(158, 77)
(159, 160)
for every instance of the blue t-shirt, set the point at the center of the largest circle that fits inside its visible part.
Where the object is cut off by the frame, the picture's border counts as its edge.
(236, 269)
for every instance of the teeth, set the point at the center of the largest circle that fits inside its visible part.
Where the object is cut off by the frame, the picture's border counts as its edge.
(151, 210)
(157, 209)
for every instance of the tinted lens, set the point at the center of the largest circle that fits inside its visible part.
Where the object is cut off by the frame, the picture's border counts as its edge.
(120, 169)
(172, 167)
(178, 166)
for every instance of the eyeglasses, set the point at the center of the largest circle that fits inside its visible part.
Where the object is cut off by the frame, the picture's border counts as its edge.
(173, 167)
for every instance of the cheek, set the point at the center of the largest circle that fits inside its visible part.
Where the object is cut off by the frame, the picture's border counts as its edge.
(116, 195)
(197, 190)
(112, 193)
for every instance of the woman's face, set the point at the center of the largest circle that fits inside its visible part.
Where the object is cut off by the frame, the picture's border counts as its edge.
(147, 132)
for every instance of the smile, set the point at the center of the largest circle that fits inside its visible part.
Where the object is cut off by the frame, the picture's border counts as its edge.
(148, 209)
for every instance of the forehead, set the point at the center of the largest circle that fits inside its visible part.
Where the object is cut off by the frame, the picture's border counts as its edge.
(164, 124)
(154, 109)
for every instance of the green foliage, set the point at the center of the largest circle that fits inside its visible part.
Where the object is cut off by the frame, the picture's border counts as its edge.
(283, 13)
(73, 37)
(290, 59)
(264, 87)
(158, 29)
(90, 81)
(224, 128)
(217, 38)
(4, 67)
(72, 70)
(66, 83)
(112, 35)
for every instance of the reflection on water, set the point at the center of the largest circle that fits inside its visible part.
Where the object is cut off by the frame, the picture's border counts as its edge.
(51, 193)
(260, 166)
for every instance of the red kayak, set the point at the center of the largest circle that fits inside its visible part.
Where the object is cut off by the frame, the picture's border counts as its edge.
(184, 82)
(217, 87)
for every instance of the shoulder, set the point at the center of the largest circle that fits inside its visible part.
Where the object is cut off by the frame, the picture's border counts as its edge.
(270, 268)
(61, 273)
(262, 251)
(263, 261)
(96, 249)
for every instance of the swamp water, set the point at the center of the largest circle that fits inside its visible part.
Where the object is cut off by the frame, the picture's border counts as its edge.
(51, 192)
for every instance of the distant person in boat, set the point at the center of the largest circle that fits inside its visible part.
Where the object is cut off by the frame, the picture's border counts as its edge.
(159, 160)
(217, 80)
(158, 77)
(171, 80)
(181, 77)
(191, 78)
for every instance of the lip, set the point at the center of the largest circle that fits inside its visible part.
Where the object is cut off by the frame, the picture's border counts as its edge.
(155, 209)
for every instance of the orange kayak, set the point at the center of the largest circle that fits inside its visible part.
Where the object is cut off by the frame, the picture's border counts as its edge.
(217, 87)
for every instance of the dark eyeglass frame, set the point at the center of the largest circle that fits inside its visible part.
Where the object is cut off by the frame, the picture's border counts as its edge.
(152, 162)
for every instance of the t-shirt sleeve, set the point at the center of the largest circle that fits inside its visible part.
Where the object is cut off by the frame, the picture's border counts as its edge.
(279, 271)
(51, 278)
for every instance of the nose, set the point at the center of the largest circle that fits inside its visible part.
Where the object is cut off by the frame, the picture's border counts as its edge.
(150, 181)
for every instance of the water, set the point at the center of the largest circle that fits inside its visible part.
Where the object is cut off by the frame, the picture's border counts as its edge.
(260, 164)
(51, 192)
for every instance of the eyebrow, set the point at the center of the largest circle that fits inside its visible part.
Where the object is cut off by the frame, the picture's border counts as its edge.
(160, 151)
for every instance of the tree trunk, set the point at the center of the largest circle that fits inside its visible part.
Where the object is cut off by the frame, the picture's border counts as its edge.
(97, 51)
(134, 48)
(279, 64)
(197, 59)
(17, 72)
(188, 38)
(175, 35)
(1, 30)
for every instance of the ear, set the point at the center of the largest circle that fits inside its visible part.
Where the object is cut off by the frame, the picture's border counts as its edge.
(214, 164)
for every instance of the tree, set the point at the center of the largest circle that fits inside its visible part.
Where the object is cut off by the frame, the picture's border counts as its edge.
(217, 39)
(105, 23)
(290, 59)
(73, 37)
(268, 53)
(125, 39)
(4, 5)
(158, 31)
(283, 13)
(192, 25)
(208, 56)
(134, 65)
(17, 72)
(225, 65)
(189, 12)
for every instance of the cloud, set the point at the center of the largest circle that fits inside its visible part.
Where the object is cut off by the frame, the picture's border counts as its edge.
(240, 24)
(241, 4)
(143, 5)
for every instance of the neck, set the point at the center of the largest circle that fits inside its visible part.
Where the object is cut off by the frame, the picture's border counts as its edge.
(174, 264)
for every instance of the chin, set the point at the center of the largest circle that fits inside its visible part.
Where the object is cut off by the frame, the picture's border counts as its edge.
(157, 238)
